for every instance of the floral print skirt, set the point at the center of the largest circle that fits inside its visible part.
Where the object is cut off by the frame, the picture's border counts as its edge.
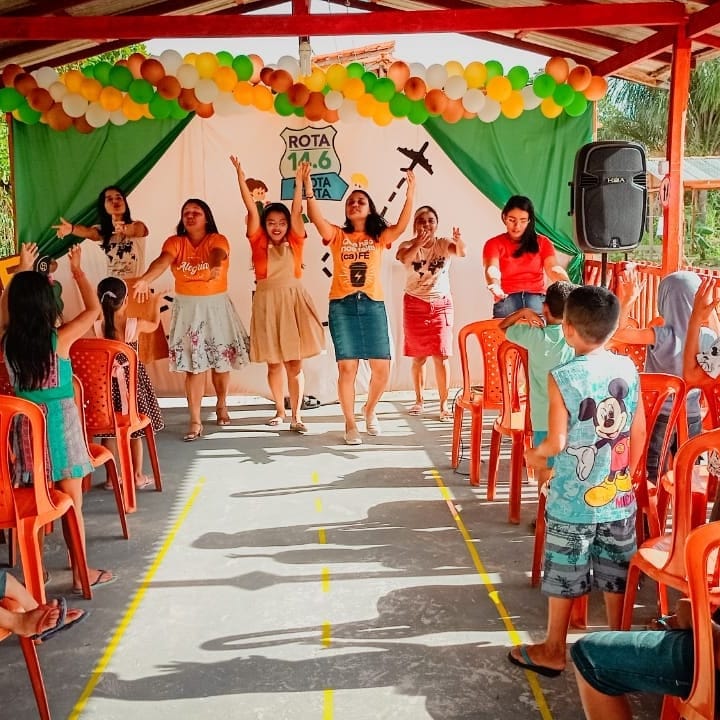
(206, 333)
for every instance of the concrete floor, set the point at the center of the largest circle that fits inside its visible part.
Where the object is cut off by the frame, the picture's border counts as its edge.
(280, 576)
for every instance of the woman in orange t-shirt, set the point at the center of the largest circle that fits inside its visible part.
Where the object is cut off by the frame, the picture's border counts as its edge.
(205, 331)
(357, 317)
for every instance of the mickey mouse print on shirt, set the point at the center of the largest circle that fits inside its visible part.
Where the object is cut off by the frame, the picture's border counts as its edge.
(612, 420)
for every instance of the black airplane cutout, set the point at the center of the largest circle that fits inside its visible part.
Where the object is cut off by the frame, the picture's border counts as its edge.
(417, 157)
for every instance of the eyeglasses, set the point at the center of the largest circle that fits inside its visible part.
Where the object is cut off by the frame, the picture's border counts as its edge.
(517, 221)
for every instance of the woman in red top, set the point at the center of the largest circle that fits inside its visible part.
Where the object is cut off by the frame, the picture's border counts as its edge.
(517, 261)
(205, 331)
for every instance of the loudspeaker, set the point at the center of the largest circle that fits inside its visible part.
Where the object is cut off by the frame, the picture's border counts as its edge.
(609, 196)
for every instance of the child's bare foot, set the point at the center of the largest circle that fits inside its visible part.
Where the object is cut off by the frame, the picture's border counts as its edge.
(143, 482)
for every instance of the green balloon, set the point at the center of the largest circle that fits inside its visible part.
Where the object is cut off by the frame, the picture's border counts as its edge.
(102, 72)
(28, 115)
(418, 112)
(243, 67)
(369, 79)
(88, 70)
(494, 68)
(176, 112)
(355, 70)
(384, 89)
(299, 111)
(159, 107)
(563, 95)
(518, 77)
(578, 105)
(120, 77)
(400, 105)
(283, 105)
(141, 91)
(544, 85)
(224, 58)
(10, 99)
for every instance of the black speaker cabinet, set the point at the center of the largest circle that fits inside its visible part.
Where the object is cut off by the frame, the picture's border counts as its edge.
(609, 196)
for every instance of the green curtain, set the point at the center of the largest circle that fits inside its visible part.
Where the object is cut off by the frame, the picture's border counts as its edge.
(62, 173)
(530, 156)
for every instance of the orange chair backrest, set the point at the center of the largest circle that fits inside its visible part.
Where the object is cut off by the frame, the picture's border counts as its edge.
(489, 337)
(514, 382)
(637, 352)
(93, 361)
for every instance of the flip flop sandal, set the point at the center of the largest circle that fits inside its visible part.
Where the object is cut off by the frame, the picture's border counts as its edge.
(298, 427)
(146, 484)
(71, 616)
(277, 420)
(416, 409)
(45, 634)
(99, 582)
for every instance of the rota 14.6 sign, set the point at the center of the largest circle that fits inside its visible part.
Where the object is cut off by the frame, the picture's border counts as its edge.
(316, 146)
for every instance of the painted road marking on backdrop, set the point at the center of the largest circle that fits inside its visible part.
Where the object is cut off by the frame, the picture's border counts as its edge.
(493, 594)
(104, 661)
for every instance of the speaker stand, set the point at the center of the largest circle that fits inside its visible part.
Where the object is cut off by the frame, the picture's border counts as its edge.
(603, 270)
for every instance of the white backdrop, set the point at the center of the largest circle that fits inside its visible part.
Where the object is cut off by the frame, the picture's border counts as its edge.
(197, 165)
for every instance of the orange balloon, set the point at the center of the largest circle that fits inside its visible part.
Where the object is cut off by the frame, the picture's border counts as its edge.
(131, 110)
(596, 89)
(453, 112)
(366, 105)
(353, 89)
(513, 107)
(169, 87)
(330, 116)
(382, 115)
(262, 98)
(9, 72)
(265, 74)
(111, 98)
(82, 125)
(225, 78)
(549, 108)
(152, 70)
(436, 101)
(298, 94)
(90, 89)
(315, 107)
(415, 88)
(557, 68)
(24, 83)
(40, 99)
(134, 63)
(73, 80)
(243, 93)
(187, 100)
(579, 77)
(280, 80)
(204, 110)
(57, 118)
(258, 65)
(399, 73)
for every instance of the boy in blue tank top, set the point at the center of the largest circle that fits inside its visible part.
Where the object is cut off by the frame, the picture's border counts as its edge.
(596, 432)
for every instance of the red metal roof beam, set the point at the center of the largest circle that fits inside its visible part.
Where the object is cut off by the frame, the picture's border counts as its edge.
(404, 22)
(704, 20)
(634, 53)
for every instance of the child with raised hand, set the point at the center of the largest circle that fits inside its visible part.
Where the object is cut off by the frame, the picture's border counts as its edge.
(285, 328)
(37, 344)
(116, 325)
(596, 432)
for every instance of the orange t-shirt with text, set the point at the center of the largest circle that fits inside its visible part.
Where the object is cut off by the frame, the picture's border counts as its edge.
(190, 265)
(357, 259)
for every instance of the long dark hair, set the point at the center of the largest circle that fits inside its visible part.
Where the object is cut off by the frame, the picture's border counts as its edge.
(529, 238)
(374, 222)
(210, 226)
(275, 207)
(112, 292)
(33, 315)
(106, 222)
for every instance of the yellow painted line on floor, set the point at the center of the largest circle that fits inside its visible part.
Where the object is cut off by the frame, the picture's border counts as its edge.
(328, 705)
(318, 505)
(326, 634)
(325, 579)
(104, 661)
(322, 537)
(493, 594)
(315, 478)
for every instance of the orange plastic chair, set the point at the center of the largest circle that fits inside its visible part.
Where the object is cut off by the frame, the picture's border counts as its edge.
(27, 509)
(99, 456)
(476, 398)
(94, 361)
(663, 558)
(702, 545)
(637, 352)
(31, 661)
(513, 422)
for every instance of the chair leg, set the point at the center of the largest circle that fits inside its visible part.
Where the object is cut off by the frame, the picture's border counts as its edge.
(516, 466)
(539, 546)
(475, 447)
(633, 577)
(152, 452)
(31, 559)
(77, 550)
(458, 413)
(493, 463)
(112, 473)
(36, 678)
(126, 471)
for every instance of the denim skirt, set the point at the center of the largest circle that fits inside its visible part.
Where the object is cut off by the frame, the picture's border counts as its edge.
(359, 328)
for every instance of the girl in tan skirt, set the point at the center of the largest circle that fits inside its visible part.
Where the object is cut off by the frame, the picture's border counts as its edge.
(284, 327)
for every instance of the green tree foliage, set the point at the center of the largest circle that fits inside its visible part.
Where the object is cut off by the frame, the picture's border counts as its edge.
(7, 230)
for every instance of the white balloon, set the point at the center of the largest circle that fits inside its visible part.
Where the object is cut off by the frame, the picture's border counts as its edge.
(473, 100)
(225, 104)
(206, 90)
(289, 63)
(417, 70)
(490, 111)
(530, 99)
(45, 76)
(58, 90)
(118, 117)
(97, 115)
(347, 112)
(334, 99)
(187, 75)
(171, 60)
(455, 87)
(436, 76)
(74, 104)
